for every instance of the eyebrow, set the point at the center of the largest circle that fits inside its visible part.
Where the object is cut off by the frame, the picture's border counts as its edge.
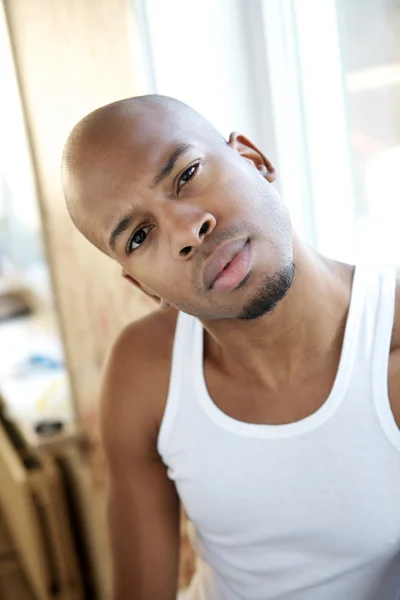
(122, 226)
(168, 166)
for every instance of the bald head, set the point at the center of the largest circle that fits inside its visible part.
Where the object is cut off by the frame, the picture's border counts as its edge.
(118, 138)
(153, 184)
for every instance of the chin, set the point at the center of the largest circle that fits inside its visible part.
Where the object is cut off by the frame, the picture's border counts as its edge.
(268, 294)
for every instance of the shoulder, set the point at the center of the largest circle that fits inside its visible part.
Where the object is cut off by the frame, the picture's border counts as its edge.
(135, 380)
(147, 339)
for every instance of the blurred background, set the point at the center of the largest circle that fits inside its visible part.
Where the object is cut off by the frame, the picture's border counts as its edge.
(314, 83)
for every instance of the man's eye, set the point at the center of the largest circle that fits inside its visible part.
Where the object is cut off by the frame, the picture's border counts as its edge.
(138, 238)
(186, 175)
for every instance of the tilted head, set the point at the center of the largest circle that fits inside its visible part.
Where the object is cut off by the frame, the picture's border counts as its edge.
(150, 182)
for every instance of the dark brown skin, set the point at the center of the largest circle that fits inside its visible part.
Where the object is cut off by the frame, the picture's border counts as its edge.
(284, 363)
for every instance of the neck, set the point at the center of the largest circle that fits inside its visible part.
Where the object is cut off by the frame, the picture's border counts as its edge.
(305, 325)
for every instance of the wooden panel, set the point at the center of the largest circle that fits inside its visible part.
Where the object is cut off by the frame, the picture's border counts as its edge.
(6, 545)
(35, 511)
(13, 584)
(20, 515)
(86, 503)
(48, 490)
(73, 56)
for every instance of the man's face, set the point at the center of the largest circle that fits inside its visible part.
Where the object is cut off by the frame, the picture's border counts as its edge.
(178, 211)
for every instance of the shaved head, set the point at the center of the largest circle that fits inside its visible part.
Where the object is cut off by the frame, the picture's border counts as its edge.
(154, 185)
(119, 131)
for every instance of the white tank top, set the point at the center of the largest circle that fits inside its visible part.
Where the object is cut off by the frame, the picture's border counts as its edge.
(302, 511)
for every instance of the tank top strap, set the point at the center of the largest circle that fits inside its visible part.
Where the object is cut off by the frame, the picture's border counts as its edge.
(370, 320)
(381, 353)
(181, 359)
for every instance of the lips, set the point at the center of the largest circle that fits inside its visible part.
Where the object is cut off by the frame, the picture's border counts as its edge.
(220, 259)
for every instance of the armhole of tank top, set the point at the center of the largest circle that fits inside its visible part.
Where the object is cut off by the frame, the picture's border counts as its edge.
(383, 338)
(174, 386)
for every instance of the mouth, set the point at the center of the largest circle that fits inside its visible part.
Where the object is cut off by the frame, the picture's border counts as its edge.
(229, 266)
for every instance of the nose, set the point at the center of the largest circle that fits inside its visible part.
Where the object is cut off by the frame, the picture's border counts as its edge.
(188, 226)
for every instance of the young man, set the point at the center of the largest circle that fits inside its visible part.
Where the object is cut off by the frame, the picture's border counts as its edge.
(266, 393)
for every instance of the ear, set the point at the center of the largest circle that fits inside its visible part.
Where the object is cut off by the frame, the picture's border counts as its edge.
(160, 303)
(248, 150)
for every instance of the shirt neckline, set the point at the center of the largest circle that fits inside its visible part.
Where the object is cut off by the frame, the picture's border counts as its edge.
(317, 418)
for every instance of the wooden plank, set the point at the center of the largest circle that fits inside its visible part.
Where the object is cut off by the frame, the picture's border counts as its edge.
(72, 57)
(13, 584)
(6, 546)
(35, 510)
(48, 491)
(20, 516)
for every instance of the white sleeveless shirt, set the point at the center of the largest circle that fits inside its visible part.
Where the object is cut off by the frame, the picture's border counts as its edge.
(302, 511)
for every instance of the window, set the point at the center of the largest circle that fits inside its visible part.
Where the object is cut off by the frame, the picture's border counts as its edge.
(369, 39)
(348, 57)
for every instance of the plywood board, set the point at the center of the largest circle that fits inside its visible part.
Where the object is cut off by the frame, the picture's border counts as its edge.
(20, 516)
(72, 57)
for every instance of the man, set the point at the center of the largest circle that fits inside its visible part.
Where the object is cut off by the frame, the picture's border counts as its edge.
(266, 393)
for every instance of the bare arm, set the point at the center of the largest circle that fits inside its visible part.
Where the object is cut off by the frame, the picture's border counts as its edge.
(143, 507)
